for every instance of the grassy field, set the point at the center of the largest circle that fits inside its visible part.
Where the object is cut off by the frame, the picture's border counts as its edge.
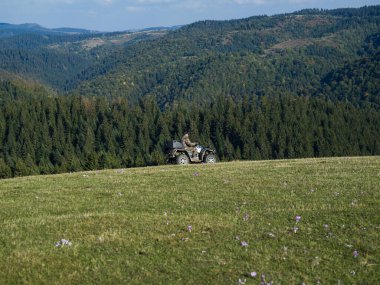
(311, 221)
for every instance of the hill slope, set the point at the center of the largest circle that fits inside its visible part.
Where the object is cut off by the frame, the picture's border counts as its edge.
(14, 87)
(311, 221)
(9, 30)
(357, 82)
(62, 58)
(294, 53)
(290, 53)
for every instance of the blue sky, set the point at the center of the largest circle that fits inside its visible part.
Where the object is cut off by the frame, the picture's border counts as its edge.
(118, 15)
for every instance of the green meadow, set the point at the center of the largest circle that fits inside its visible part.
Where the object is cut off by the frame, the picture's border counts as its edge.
(306, 221)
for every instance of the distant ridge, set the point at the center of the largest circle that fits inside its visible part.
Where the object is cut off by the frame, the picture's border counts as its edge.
(74, 31)
(9, 30)
(297, 53)
(160, 28)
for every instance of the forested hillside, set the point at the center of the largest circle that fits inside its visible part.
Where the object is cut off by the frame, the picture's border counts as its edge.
(304, 84)
(292, 53)
(356, 82)
(63, 59)
(10, 30)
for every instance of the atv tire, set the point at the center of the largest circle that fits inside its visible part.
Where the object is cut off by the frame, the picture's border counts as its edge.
(182, 159)
(210, 158)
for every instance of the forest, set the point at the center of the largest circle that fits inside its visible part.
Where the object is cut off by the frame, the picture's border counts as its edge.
(304, 84)
(62, 134)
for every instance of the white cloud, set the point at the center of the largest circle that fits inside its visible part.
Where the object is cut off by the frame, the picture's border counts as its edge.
(56, 2)
(258, 2)
(182, 4)
(134, 9)
(300, 1)
(275, 2)
(60, 2)
(194, 5)
(105, 2)
(92, 13)
(156, 1)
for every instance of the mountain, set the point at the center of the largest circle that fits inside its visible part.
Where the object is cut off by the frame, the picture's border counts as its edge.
(74, 31)
(60, 57)
(289, 53)
(14, 87)
(9, 30)
(356, 82)
(304, 84)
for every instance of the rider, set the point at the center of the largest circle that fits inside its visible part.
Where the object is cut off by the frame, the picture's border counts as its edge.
(188, 144)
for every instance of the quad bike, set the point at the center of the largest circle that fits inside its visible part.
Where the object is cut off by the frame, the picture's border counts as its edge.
(177, 153)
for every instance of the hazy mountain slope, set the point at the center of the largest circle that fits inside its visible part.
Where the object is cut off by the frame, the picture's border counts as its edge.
(289, 53)
(9, 30)
(356, 82)
(13, 87)
(60, 58)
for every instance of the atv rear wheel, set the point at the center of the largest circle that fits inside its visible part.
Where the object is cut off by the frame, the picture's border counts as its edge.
(182, 159)
(210, 158)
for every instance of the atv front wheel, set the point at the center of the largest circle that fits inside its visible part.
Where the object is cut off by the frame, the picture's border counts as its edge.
(182, 159)
(210, 158)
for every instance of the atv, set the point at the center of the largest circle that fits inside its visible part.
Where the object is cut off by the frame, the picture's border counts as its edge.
(177, 153)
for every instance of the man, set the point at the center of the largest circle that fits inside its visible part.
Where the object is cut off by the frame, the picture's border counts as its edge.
(187, 144)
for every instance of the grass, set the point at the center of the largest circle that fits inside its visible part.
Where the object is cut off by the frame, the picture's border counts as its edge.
(130, 226)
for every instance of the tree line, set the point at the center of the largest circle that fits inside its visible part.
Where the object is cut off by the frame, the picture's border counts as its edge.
(48, 134)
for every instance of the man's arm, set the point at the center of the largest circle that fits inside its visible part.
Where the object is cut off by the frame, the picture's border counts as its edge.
(189, 143)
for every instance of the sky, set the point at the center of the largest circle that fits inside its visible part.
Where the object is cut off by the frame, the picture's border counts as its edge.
(121, 15)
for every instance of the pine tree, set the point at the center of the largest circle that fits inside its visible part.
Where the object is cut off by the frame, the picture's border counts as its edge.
(5, 170)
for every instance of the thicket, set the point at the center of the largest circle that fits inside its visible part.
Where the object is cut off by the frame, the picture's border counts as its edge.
(40, 134)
